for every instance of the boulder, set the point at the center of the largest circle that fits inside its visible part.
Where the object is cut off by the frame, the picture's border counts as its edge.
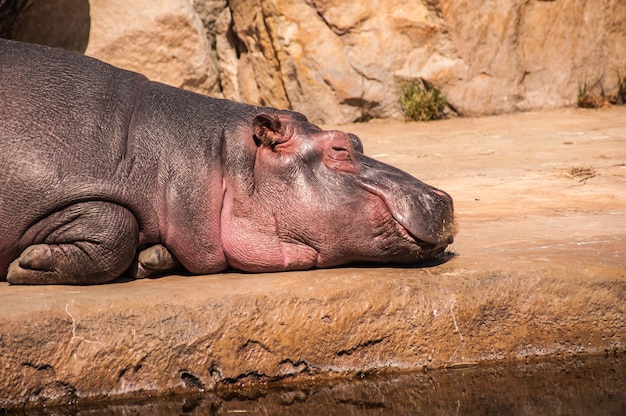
(166, 40)
(522, 55)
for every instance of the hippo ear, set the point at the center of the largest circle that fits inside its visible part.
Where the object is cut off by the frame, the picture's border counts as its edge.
(267, 130)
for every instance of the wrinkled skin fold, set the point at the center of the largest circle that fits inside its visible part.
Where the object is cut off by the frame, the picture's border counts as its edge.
(103, 172)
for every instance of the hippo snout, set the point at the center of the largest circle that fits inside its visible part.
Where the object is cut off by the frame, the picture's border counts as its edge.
(448, 220)
(431, 220)
(425, 212)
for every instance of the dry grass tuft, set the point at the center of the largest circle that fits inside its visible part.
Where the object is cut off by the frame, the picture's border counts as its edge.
(590, 95)
(619, 98)
(422, 101)
(582, 173)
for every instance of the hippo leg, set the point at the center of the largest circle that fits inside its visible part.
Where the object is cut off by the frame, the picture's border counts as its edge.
(86, 243)
(154, 260)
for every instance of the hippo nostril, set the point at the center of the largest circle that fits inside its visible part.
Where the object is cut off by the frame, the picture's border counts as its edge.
(442, 195)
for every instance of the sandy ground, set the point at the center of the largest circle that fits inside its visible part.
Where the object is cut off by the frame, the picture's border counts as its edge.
(528, 188)
(539, 269)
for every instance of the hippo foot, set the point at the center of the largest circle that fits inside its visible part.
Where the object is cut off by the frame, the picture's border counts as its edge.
(61, 253)
(154, 260)
(33, 265)
(53, 264)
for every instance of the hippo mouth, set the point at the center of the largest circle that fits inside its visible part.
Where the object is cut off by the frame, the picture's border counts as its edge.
(426, 250)
(422, 218)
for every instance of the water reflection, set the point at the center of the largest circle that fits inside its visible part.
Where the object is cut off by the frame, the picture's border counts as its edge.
(581, 386)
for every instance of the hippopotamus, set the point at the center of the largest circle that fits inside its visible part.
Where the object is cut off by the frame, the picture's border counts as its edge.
(104, 173)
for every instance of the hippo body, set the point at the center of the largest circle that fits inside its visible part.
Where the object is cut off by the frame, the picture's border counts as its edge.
(103, 171)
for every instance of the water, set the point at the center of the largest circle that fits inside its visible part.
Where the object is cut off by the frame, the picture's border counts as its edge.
(578, 386)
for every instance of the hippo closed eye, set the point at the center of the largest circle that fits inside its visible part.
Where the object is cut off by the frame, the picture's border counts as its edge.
(103, 171)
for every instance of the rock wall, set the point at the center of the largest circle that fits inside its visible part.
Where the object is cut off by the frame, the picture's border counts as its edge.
(339, 61)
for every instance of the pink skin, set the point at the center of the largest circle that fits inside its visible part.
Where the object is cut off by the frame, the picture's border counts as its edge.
(310, 207)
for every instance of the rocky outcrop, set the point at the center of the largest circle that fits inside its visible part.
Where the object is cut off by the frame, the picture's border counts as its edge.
(520, 55)
(184, 334)
(339, 61)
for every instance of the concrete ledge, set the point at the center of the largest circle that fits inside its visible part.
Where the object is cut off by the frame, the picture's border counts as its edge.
(539, 270)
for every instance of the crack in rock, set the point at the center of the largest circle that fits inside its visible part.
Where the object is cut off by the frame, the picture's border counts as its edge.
(191, 381)
(363, 405)
(252, 376)
(360, 346)
(40, 367)
(290, 368)
(287, 368)
(132, 369)
(252, 343)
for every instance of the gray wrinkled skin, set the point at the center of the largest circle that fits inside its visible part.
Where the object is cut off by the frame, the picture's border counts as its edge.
(104, 172)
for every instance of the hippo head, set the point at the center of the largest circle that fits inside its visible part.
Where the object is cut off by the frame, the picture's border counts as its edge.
(298, 197)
